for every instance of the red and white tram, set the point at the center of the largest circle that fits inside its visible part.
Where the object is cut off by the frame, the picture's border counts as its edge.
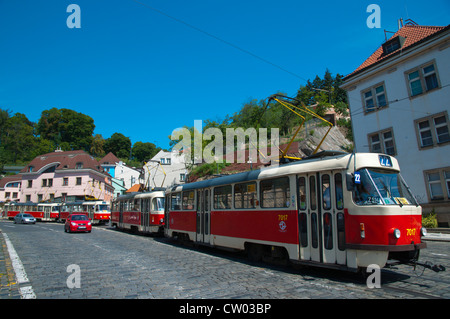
(98, 211)
(343, 211)
(40, 211)
(143, 212)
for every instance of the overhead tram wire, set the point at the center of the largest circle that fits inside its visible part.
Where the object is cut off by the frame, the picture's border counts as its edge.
(220, 40)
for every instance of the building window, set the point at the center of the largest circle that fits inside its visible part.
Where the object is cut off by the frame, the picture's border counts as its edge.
(28, 198)
(393, 44)
(382, 142)
(438, 182)
(182, 177)
(433, 130)
(422, 79)
(78, 180)
(374, 98)
(30, 168)
(79, 165)
(30, 183)
(65, 181)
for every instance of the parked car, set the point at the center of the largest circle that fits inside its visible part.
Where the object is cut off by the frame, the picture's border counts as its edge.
(77, 223)
(24, 218)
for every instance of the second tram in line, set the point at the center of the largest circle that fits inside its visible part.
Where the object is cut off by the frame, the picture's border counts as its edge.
(143, 212)
(98, 211)
(344, 211)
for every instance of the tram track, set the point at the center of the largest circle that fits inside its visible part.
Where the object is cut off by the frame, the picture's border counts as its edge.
(409, 292)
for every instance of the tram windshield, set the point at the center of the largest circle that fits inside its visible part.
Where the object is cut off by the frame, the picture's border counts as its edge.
(381, 187)
(102, 207)
(158, 203)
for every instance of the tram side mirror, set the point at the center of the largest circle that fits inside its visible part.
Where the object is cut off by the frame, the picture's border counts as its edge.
(350, 181)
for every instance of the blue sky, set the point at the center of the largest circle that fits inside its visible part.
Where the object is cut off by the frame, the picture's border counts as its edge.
(143, 74)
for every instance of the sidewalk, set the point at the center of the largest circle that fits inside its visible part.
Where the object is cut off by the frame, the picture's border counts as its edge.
(8, 287)
(434, 236)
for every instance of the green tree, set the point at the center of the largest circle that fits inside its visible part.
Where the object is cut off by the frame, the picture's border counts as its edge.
(68, 127)
(119, 145)
(18, 140)
(97, 146)
(144, 151)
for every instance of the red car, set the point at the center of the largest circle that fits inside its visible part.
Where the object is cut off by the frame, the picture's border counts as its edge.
(78, 222)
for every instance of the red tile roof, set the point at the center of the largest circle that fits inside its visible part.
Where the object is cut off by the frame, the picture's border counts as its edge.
(66, 160)
(414, 35)
(135, 188)
(10, 178)
(110, 158)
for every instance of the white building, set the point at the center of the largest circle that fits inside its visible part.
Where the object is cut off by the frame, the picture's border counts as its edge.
(165, 169)
(124, 176)
(400, 103)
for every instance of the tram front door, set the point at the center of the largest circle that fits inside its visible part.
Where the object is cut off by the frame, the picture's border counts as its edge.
(321, 217)
(203, 216)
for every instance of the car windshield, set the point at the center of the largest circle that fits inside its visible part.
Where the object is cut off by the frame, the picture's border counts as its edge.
(79, 217)
(381, 187)
(26, 215)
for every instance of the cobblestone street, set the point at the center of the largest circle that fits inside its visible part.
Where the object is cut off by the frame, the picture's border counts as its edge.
(114, 264)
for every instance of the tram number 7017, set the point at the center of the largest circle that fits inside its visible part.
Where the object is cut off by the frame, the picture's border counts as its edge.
(410, 231)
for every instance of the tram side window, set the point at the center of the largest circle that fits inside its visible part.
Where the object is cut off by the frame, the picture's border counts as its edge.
(303, 222)
(275, 192)
(328, 231)
(245, 195)
(312, 192)
(175, 201)
(222, 197)
(338, 191)
(302, 193)
(137, 205)
(188, 200)
(326, 191)
(341, 231)
(207, 200)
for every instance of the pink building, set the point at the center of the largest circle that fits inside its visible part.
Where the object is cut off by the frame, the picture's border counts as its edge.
(68, 176)
(10, 188)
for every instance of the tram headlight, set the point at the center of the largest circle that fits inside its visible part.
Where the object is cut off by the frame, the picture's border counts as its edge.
(423, 231)
(397, 233)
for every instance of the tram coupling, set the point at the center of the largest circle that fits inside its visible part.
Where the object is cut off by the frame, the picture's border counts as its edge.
(428, 265)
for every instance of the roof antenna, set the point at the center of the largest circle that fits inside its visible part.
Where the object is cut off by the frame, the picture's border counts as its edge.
(400, 23)
(410, 22)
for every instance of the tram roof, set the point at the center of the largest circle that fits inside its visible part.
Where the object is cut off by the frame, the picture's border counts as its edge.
(140, 194)
(323, 161)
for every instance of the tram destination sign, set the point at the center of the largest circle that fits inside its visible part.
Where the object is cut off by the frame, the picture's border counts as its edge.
(385, 160)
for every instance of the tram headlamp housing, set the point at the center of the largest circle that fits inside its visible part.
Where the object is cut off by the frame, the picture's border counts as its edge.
(423, 232)
(397, 233)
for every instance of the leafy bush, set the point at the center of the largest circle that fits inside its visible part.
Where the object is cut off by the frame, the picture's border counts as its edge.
(430, 220)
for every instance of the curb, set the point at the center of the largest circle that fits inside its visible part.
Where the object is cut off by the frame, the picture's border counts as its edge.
(9, 289)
